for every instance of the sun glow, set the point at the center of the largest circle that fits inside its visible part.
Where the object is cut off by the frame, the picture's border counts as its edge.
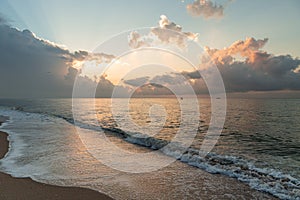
(77, 64)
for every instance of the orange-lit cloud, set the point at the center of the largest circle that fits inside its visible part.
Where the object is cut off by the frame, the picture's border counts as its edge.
(258, 70)
(248, 49)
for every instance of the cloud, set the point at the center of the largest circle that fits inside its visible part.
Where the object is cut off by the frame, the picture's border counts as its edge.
(192, 75)
(165, 23)
(158, 80)
(152, 89)
(170, 32)
(165, 84)
(136, 40)
(181, 82)
(297, 70)
(206, 9)
(104, 87)
(248, 48)
(178, 82)
(34, 67)
(169, 80)
(167, 33)
(137, 81)
(99, 57)
(245, 67)
(241, 77)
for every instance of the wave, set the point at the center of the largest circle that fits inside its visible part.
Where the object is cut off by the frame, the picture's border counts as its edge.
(267, 180)
(272, 181)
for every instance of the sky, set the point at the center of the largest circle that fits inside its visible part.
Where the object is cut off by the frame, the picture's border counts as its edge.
(255, 44)
(83, 25)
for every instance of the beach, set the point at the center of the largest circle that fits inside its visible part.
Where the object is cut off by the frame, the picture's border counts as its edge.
(62, 160)
(152, 100)
(25, 188)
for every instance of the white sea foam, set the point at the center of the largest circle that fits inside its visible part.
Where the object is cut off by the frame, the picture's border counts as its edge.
(283, 186)
(25, 153)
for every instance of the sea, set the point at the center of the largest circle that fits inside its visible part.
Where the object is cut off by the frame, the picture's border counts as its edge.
(257, 155)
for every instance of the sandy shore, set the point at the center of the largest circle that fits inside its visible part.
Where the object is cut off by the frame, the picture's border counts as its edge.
(204, 185)
(25, 188)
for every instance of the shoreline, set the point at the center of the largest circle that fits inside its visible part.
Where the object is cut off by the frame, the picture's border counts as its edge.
(25, 188)
(243, 190)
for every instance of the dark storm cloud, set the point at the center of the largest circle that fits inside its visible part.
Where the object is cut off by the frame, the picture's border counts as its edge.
(33, 67)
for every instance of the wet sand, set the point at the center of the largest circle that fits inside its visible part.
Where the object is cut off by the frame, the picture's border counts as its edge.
(24, 188)
(206, 186)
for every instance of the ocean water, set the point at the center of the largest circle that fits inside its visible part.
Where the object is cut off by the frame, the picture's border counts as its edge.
(259, 146)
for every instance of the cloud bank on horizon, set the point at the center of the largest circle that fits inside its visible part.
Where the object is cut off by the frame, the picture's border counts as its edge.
(33, 67)
(244, 66)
